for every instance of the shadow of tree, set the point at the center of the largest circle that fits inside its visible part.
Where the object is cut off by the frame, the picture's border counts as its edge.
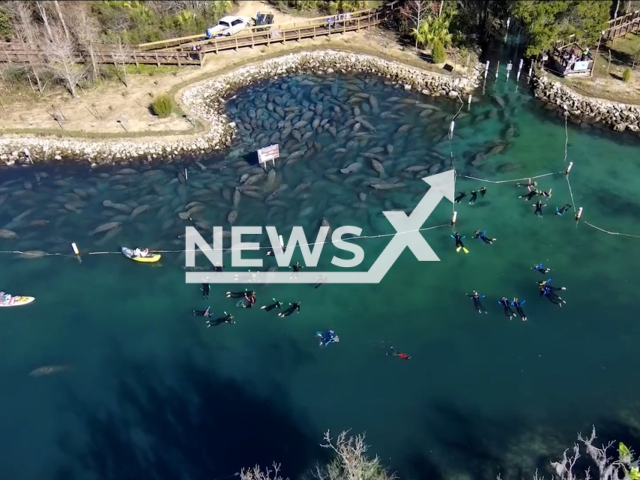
(201, 426)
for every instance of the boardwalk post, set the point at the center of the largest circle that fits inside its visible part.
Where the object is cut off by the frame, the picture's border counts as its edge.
(298, 37)
(135, 59)
(236, 44)
(358, 27)
(314, 32)
(157, 61)
(284, 35)
(178, 58)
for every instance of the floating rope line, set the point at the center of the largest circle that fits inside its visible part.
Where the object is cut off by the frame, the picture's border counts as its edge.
(612, 233)
(509, 181)
(38, 254)
(566, 138)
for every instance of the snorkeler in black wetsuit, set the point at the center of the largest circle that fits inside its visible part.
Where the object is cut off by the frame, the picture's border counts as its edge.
(545, 194)
(228, 318)
(203, 313)
(541, 269)
(538, 208)
(504, 301)
(217, 268)
(530, 195)
(205, 289)
(275, 304)
(459, 245)
(474, 197)
(482, 236)
(296, 267)
(475, 296)
(245, 294)
(293, 308)
(272, 253)
(563, 209)
(483, 190)
(548, 291)
(528, 185)
(460, 196)
(519, 309)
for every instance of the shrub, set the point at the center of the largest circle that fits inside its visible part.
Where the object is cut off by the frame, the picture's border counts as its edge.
(626, 75)
(438, 53)
(163, 105)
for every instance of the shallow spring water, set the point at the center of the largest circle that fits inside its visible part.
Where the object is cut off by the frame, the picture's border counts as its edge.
(147, 391)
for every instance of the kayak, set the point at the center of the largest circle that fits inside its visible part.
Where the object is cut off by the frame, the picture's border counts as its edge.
(151, 258)
(17, 301)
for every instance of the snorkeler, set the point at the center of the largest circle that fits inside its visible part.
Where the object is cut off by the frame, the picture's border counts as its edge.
(538, 208)
(519, 309)
(275, 304)
(401, 355)
(459, 245)
(545, 284)
(205, 288)
(327, 338)
(482, 236)
(475, 296)
(293, 307)
(203, 313)
(474, 196)
(541, 269)
(530, 195)
(545, 194)
(504, 301)
(460, 196)
(217, 268)
(228, 318)
(483, 190)
(296, 267)
(321, 281)
(563, 209)
(548, 291)
(528, 185)
(245, 294)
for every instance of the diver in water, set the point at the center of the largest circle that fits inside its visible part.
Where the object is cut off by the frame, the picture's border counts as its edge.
(203, 313)
(275, 304)
(327, 338)
(401, 355)
(474, 197)
(541, 269)
(459, 245)
(293, 307)
(475, 296)
(516, 303)
(250, 300)
(245, 294)
(321, 281)
(296, 267)
(482, 236)
(504, 301)
(528, 185)
(563, 209)
(483, 190)
(548, 291)
(532, 193)
(217, 268)
(545, 194)
(538, 208)
(205, 288)
(228, 318)
(460, 196)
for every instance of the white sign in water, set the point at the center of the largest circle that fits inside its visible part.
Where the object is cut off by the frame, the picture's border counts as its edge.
(269, 153)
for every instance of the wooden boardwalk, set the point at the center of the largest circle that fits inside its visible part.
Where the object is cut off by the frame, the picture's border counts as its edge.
(629, 23)
(193, 50)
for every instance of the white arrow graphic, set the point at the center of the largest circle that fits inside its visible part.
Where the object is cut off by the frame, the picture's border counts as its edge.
(407, 235)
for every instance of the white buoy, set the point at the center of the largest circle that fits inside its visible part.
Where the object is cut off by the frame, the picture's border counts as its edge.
(566, 172)
(530, 70)
(452, 126)
(74, 247)
(521, 63)
(469, 99)
(579, 214)
(486, 70)
(281, 244)
(497, 69)
(453, 219)
(186, 174)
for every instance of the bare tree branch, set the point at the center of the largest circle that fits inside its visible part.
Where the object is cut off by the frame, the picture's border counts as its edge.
(61, 60)
(121, 54)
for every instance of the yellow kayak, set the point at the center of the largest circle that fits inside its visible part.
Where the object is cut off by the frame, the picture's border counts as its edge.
(16, 301)
(149, 258)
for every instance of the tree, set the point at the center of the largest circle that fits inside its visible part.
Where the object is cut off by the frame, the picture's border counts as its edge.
(61, 60)
(86, 31)
(121, 54)
(433, 30)
(414, 13)
(26, 31)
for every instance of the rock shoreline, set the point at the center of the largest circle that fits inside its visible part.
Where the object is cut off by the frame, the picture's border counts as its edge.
(207, 101)
(586, 110)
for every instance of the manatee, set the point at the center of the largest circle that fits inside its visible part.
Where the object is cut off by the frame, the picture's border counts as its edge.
(353, 167)
(236, 197)
(138, 210)
(232, 217)
(32, 254)
(377, 166)
(7, 234)
(387, 186)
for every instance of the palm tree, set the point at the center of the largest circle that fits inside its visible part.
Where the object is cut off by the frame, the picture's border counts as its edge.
(433, 30)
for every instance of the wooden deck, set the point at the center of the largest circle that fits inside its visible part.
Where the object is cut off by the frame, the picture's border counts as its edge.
(629, 23)
(193, 50)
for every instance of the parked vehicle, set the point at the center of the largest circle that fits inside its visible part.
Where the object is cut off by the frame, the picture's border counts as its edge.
(229, 25)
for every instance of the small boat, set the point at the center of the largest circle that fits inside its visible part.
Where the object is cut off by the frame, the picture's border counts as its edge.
(7, 300)
(148, 258)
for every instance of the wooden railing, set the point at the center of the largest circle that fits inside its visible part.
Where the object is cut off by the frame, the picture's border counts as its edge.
(620, 26)
(192, 50)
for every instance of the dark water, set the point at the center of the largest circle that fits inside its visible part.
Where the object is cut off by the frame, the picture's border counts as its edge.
(149, 392)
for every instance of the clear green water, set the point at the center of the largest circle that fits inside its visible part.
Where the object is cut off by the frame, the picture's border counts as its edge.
(150, 392)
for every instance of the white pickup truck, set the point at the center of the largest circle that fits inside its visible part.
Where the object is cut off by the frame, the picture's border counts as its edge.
(229, 25)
